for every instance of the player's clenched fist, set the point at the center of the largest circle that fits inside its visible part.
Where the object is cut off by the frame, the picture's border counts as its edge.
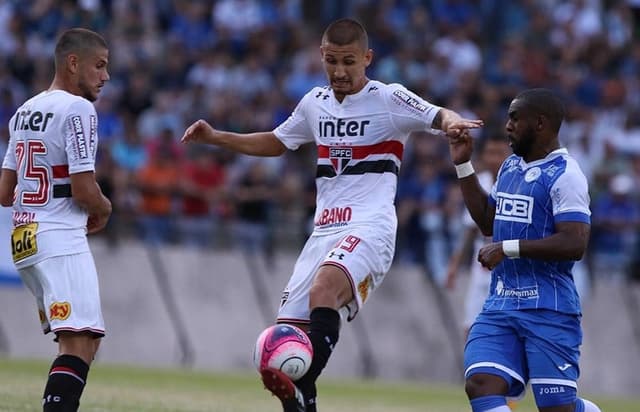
(491, 255)
(199, 132)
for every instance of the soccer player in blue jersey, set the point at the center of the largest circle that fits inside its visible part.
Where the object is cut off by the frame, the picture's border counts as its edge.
(538, 214)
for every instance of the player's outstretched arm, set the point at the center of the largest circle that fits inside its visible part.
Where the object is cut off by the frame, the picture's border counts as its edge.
(8, 181)
(254, 144)
(87, 194)
(453, 124)
(475, 198)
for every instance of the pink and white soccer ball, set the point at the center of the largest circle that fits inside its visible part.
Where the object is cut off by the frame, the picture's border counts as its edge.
(284, 347)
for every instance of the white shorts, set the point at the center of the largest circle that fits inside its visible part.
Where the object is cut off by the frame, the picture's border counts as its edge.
(364, 254)
(67, 293)
(477, 292)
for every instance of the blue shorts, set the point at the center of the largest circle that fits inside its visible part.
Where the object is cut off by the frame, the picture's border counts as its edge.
(541, 347)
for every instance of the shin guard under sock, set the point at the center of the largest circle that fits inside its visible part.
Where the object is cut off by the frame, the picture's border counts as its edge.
(67, 378)
(324, 330)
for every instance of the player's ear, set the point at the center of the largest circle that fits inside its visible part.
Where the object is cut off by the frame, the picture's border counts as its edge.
(72, 63)
(368, 57)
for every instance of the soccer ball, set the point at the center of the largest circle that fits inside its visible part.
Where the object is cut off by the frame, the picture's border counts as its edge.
(284, 347)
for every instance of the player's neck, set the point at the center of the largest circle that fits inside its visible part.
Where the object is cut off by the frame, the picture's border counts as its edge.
(542, 151)
(340, 96)
(60, 83)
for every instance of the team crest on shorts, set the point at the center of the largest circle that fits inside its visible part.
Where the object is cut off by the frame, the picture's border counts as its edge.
(363, 288)
(59, 310)
(340, 157)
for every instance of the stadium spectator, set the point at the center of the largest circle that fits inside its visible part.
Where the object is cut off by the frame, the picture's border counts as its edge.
(202, 186)
(616, 219)
(157, 182)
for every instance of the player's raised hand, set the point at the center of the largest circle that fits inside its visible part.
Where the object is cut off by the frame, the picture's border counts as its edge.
(461, 147)
(457, 127)
(199, 132)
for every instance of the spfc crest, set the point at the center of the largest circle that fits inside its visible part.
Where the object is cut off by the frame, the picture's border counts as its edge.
(340, 157)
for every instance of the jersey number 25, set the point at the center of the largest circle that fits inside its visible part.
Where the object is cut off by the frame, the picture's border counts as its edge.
(27, 151)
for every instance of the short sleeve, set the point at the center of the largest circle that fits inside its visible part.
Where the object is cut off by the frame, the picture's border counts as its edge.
(295, 131)
(81, 136)
(570, 196)
(409, 112)
(9, 161)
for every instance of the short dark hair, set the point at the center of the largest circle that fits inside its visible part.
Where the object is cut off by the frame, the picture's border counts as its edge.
(546, 103)
(77, 40)
(346, 31)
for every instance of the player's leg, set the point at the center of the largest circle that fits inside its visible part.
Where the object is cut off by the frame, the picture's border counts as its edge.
(330, 291)
(494, 364)
(294, 310)
(553, 355)
(72, 300)
(68, 373)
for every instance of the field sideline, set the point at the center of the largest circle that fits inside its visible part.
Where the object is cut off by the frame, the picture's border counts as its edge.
(129, 389)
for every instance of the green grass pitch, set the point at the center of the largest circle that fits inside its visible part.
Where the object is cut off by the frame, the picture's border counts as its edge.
(133, 389)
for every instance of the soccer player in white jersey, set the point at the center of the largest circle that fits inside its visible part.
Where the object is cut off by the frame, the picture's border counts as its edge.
(48, 178)
(538, 214)
(360, 127)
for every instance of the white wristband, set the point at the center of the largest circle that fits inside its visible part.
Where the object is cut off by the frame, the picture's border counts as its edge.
(511, 248)
(464, 169)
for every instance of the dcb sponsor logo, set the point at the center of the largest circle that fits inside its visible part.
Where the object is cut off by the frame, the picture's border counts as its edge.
(514, 207)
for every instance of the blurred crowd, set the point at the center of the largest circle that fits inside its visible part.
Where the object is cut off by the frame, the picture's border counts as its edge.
(243, 64)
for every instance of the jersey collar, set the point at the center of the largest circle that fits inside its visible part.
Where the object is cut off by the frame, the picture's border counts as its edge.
(356, 96)
(558, 152)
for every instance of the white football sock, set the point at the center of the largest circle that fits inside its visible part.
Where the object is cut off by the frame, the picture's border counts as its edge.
(589, 406)
(503, 408)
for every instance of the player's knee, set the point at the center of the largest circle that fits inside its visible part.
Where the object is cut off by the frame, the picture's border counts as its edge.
(551, 397)
(330, 288)
(484, 385)
(322, 295)
(82, 345)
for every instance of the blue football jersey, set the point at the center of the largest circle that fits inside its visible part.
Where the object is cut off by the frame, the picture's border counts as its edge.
(529, 199)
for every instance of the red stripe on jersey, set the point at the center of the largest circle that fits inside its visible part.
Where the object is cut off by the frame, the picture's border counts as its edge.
(360, 152)
(60, 171)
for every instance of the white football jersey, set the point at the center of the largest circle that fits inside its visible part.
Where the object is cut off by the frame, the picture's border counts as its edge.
(52, 135)
(360, 145)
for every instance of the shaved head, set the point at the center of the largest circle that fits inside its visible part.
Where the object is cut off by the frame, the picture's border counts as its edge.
(77, 41)
(546, 103)
(346, 31)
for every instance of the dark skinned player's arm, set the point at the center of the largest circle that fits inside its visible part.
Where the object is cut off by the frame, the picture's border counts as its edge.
(477, 202)
(568, 243)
